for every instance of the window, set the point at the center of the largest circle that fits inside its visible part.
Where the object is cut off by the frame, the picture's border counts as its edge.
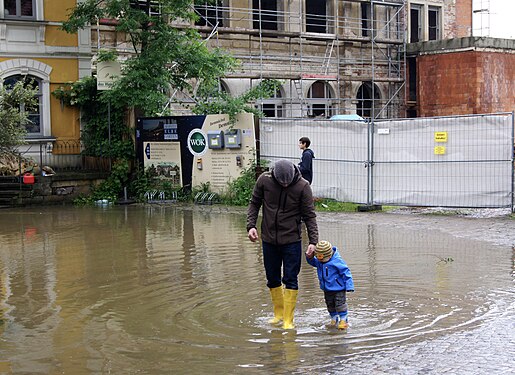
(366, 105)
(412, 79)
(319, 104)
(19, 8)
(152, 8)
(415, 23)
(272, 107)
(210, 14)
(264, 14)
(425, 23)
(34, 127)
(366, 20)
(316, 16)
(434, 23)
(32, 72)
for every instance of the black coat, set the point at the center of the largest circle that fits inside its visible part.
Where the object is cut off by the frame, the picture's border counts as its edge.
(306, 165)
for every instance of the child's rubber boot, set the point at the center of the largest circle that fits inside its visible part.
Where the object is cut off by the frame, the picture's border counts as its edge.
(343, 321)
(334, 320)
(278, 301)
(290, 300)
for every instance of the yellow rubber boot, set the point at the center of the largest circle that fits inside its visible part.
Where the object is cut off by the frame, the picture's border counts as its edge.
(290, 300)
(278, 301)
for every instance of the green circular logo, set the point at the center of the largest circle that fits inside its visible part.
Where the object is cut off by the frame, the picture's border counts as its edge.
(197, 142)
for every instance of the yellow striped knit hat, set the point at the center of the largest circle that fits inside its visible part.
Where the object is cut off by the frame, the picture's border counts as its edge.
(324, 251)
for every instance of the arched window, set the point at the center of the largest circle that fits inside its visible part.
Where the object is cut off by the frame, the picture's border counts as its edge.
(34, 127)
(224, 88)
(368, 99)
(36, 73)
(319, 95)
(272, 107)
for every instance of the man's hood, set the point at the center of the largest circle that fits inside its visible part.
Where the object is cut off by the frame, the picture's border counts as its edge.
(285, 172)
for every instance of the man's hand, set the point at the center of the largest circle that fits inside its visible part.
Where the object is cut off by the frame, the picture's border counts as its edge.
(253, 234)
(310, 252)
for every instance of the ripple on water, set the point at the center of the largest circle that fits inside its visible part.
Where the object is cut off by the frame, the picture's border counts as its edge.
(170, 289)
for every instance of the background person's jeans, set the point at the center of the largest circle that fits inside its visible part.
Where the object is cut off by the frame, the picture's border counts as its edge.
(288, 257)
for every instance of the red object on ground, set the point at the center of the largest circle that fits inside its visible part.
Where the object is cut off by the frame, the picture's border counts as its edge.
(28, 178)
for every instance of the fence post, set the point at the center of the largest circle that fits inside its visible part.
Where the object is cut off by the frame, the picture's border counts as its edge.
(369, 164)
(370, 153)
(513, 162)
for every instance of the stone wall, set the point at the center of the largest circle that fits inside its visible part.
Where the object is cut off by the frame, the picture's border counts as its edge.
(63, 187)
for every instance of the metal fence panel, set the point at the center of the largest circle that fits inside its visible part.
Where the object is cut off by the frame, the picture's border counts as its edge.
(463, 161)
(340, 153)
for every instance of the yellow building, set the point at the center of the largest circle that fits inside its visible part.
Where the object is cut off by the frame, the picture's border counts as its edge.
(33, 48)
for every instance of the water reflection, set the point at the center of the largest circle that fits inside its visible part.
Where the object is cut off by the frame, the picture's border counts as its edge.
(181, 289)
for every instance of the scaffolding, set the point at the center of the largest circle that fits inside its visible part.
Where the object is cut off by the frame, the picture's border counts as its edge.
(331, 56)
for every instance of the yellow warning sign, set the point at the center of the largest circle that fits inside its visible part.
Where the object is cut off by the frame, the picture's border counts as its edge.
(440, 150)
(440, 136)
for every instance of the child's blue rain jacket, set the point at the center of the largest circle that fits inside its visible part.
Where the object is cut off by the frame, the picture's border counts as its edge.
(333, 275)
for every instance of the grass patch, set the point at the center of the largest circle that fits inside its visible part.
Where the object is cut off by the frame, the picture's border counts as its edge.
(331, 205)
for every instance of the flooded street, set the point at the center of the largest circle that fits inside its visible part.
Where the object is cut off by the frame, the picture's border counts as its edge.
(181, 290)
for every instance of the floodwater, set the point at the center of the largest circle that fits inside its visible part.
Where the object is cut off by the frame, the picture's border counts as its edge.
(155, 289)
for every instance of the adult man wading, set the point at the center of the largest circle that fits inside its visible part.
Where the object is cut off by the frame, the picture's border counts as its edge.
(286, 199)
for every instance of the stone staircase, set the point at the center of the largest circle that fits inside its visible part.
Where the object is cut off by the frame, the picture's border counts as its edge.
(11, 190)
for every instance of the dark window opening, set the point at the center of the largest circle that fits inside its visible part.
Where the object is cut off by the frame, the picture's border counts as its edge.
(265, 17)
(34, 126)
(209, 14)
(319, 94)
(367, 99)
(411, 113)
(151, 8)
(316, 16)
(272, 110)
(415, 25)
(412, 78)
(318, 110)
(318, 90)
(434, 24)
(19, 8)
(272, 107)
(366, 20)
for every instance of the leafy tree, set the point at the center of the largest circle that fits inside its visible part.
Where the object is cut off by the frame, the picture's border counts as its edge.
(220, 102)
(15, 103)
(164, 56)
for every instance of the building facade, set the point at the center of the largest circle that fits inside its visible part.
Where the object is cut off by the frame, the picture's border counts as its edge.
(458, 74)
(372, 58)
(34, 49)
(332, 56)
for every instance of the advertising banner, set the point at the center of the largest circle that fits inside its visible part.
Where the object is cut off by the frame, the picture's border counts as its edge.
(197, 150)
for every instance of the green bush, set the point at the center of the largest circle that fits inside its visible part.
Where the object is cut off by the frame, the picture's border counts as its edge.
(239, 191)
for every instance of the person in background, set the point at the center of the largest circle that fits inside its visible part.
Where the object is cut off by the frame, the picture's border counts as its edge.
(335, 280)
(306, 160)
(286, 198)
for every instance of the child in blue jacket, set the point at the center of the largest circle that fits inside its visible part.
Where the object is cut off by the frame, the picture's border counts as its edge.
(335, 280)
